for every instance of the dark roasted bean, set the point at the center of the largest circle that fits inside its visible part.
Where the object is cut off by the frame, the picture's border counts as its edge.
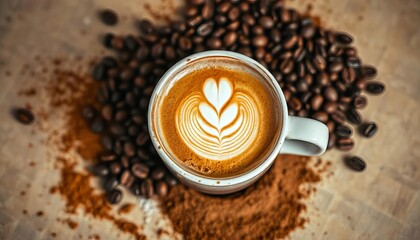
(343, 131)
(368, 72)
(354, 116)
(343, 38)
(360, 102)
(369, 129)
(345, 144)
(375, 88)
(114, 196)
(320, 116)
(147, 188)
(140, 170)
(162, 188)
(356, 163)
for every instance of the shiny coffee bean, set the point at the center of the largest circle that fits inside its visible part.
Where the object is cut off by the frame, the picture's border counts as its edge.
(345, 144)
(368, 72)
(146, 188)
(88, 112)
(140, 170)
(114, 196)
(369, 129)
(331, 141)
(162, 189)
(375, 88)
(343, 131)
(356, 163)
(360, 102)
(354, 116)
(23, 115)
(108, 17)
(343, 38)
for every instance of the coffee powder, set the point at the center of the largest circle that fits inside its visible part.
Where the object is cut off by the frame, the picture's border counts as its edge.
(270, 209)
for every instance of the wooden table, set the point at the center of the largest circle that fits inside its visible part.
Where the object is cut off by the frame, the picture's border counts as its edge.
(381, 203)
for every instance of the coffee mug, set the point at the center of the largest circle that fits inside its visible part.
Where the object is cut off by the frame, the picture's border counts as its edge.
(296, 135)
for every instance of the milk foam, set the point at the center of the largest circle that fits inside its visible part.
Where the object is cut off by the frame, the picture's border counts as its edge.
(218, 122)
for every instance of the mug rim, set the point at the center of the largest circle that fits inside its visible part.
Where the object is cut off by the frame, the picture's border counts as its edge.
(208, 181)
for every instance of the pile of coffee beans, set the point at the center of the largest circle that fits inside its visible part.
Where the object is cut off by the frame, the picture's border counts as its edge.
(320, 73)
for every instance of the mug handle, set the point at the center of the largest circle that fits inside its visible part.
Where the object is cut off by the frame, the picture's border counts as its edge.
(305, 137)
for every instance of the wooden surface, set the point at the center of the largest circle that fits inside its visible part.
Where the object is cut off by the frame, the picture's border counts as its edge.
(381, 203)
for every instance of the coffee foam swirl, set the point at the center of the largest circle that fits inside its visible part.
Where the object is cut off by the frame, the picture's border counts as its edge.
(218, 123)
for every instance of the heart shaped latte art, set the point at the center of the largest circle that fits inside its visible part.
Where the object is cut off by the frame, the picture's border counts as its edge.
(218, 123)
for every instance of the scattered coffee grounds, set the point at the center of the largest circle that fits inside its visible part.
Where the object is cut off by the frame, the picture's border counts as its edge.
(126, 208)
(108, 17)
(270, 209)
(77, 192)
(67, 90)
(40, 213)
(23, 115)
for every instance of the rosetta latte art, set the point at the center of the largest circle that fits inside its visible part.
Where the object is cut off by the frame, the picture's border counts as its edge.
(218, 123)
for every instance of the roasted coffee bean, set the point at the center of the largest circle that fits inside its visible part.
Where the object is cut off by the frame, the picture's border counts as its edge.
(185, 44)
(129, 149)
(322, 79)
(330, 94)
(343, 131)
(330, 107)
(107, 112)
(98, 125)
(319, 63)
(100, 170)
(360, 102)
(356, 163)
(316, 102)
(99, 72)
(194, 21)
(360, 84)
(230, 38)
(354, 116)
(115, 168)
(375, 88)
(214, 43)
(320, 116)
(343, 38)
(205, 29)
(117, 129)
(369, 129)
(348, 75)
(107, 39)
(146, 187)
(339, 117)
(260, 41)
(295, 104)
(107, 142)
(114, 196)
(108, 17)
(331, 126)
(302, 86)
(146, 27)
(286, 66)
(266, 22)
(158, 174)
(88, 112)
(331, 141)
(126, 178)
(162, 189)
(107, 157)
(208, 10)
(368, 72)
(345, 144)
(290, 41)
(140, 170)
(335, 67)
(23, 116)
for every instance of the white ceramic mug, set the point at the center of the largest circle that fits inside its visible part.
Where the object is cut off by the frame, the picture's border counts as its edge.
(300, 136)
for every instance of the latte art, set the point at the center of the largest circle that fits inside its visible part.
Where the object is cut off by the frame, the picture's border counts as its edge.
(218, 119)
(218, 122)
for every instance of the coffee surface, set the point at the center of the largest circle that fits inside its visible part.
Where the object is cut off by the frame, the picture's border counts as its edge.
(219, 122)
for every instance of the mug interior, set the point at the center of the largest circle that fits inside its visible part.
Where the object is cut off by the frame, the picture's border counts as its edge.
(210, 59)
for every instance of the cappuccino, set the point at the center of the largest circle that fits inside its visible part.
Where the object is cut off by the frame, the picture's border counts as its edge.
(220, 118)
